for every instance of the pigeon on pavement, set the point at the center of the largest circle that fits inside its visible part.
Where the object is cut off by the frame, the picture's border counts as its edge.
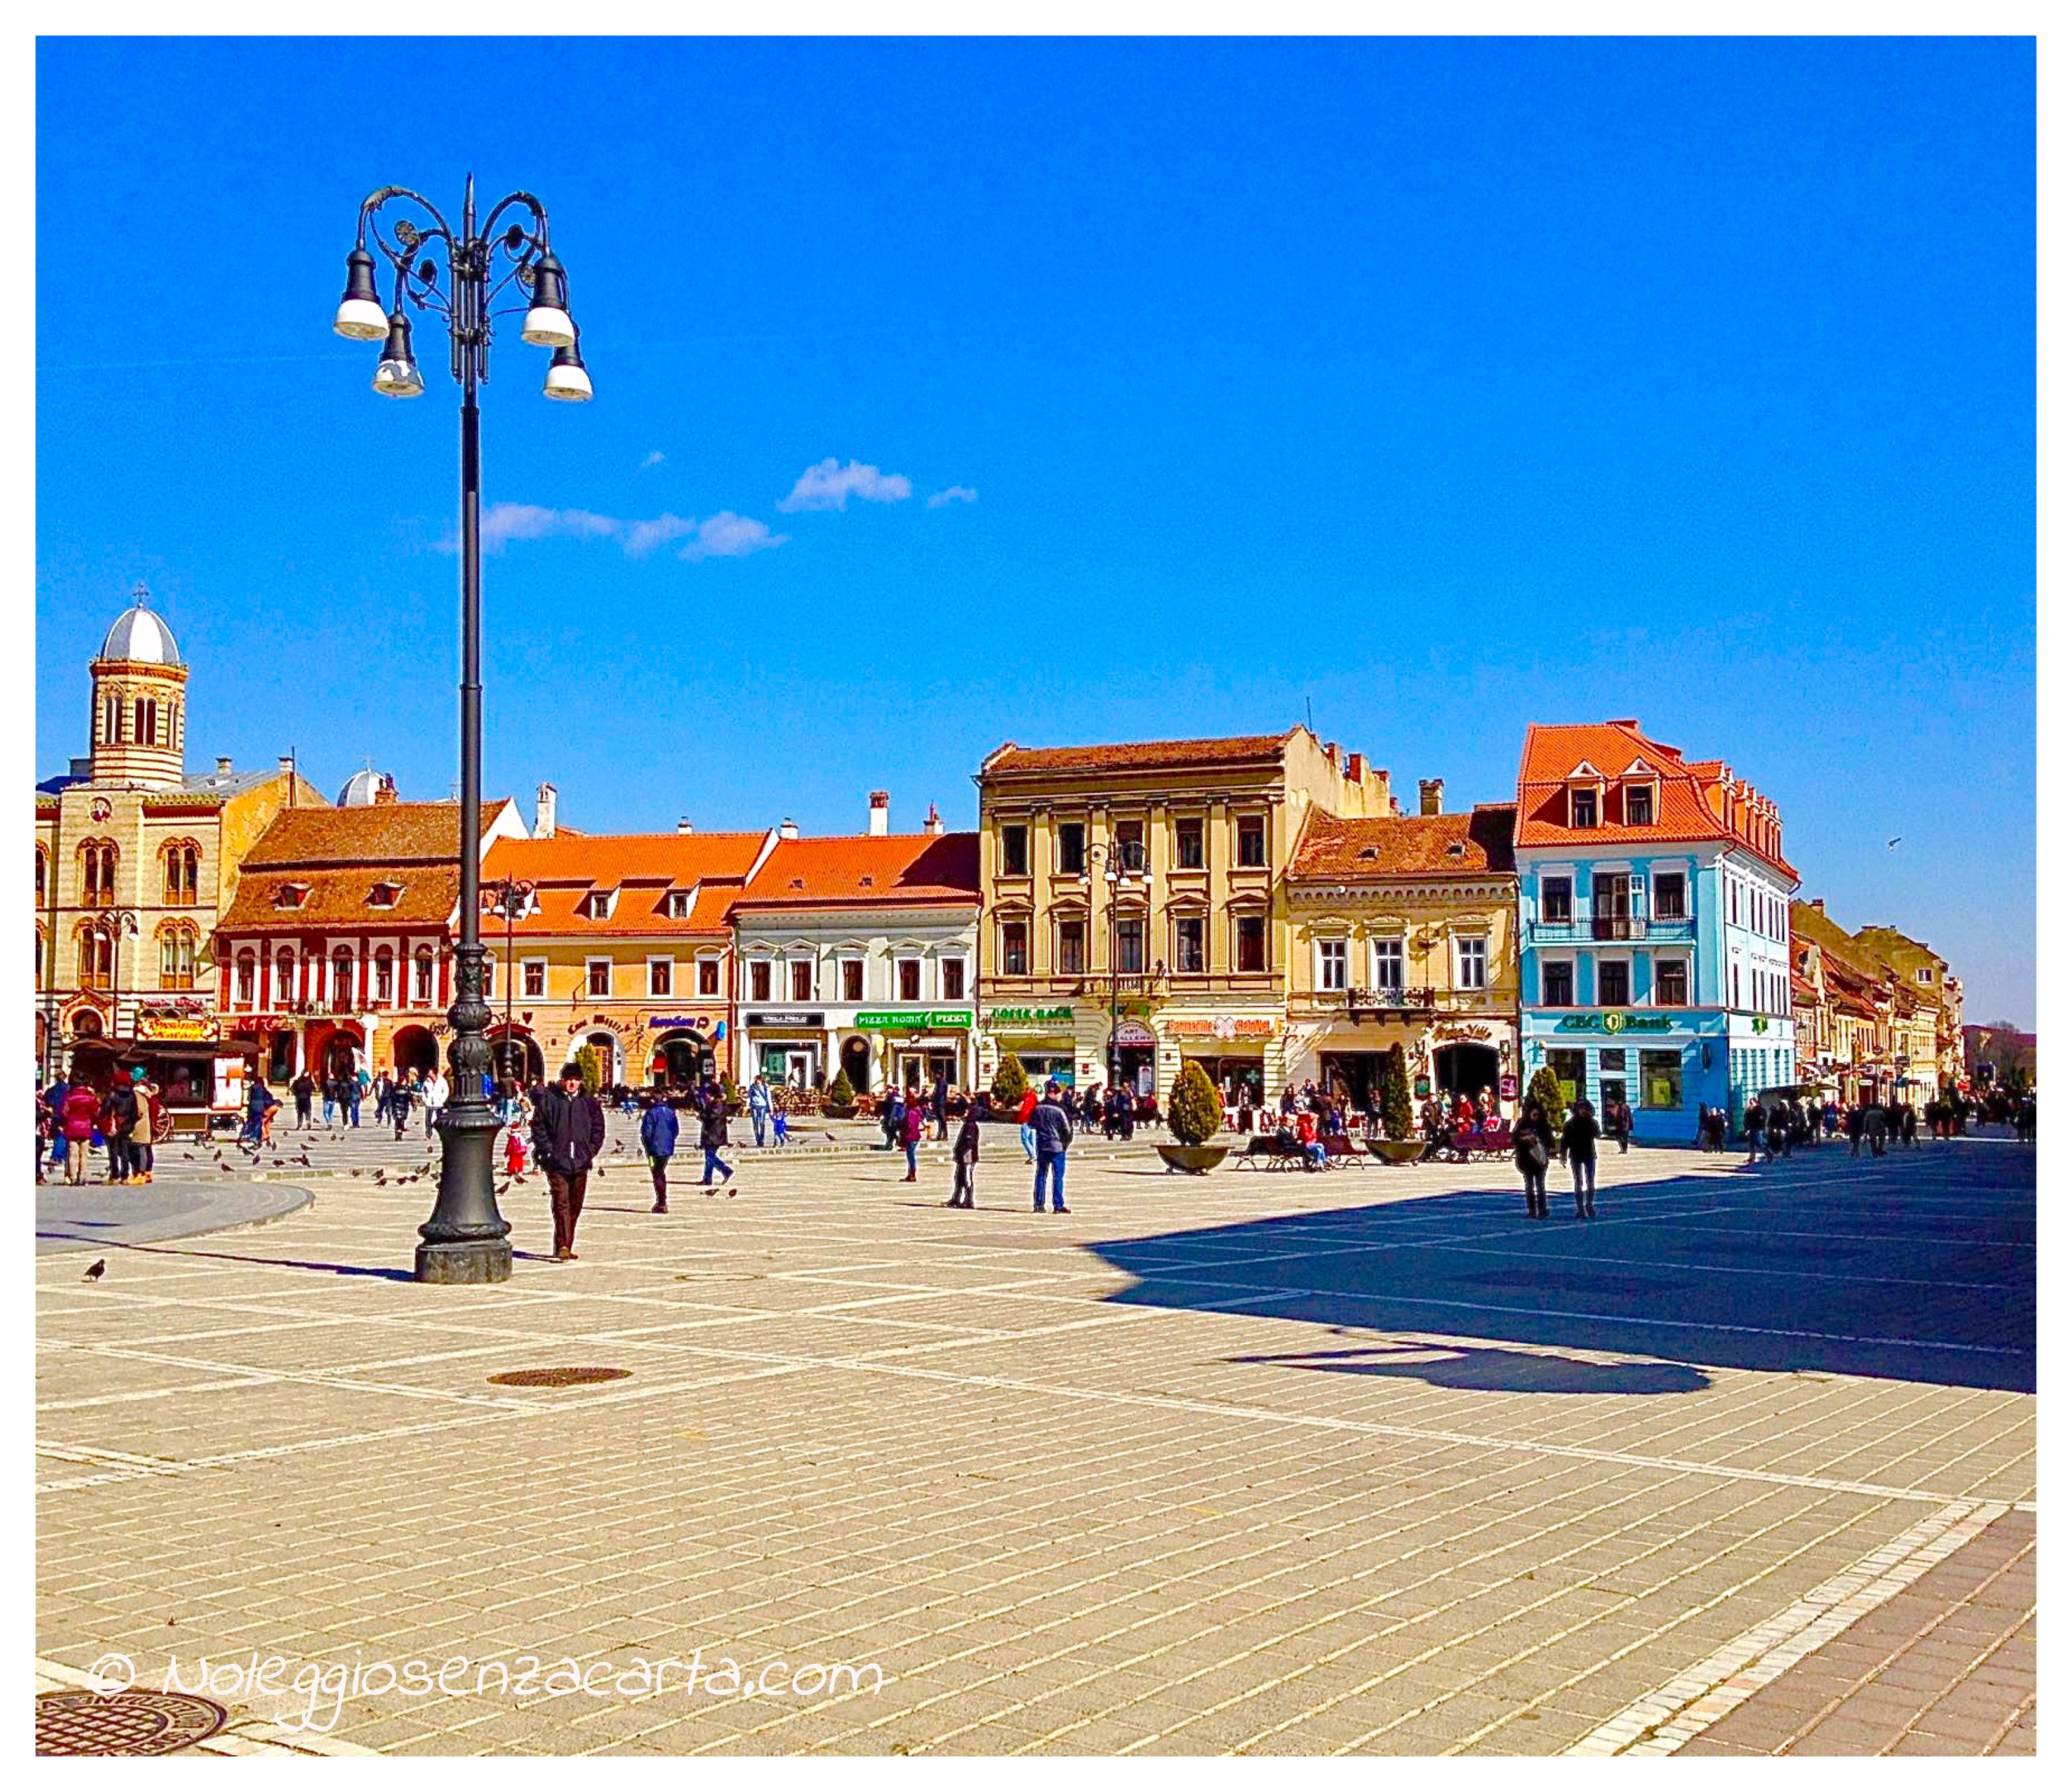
(96, 1270)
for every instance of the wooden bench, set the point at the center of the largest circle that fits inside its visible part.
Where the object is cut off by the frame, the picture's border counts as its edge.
(1340, 1148)
(1464, 1146)
(1265, 1151)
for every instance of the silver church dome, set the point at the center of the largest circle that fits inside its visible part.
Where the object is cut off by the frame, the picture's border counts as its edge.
(140, 633)
(361, 787)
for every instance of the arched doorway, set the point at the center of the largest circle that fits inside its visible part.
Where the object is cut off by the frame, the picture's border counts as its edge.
(334, 1050)
(606, 1046)
(856, 1063)
(682, 1060)
(517, 1055)
(414, 1048)
(1466, 1070)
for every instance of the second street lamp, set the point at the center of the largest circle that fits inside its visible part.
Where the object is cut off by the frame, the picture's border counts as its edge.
(466, 1239)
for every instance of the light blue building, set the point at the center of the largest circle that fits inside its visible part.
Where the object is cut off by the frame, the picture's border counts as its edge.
(1654, 920)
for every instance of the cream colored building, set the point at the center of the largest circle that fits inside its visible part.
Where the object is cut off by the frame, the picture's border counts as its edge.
(1404, 932)
(136, 859)
(1134, 911)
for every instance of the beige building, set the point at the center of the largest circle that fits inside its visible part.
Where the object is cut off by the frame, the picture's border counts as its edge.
(1135, 909)
(1404, 931)
(136, 859)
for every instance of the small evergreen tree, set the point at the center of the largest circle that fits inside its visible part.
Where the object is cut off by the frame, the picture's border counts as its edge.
(1396, 1119)
(840, 1093)
(1194, 1111)
(1545, 1088)
(592, 1066)
(1010, 1082)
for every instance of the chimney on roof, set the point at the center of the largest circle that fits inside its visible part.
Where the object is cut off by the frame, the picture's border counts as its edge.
(787, 829)
(934, 824)
(880, 812)
(288, 764)
(1431, 796)
(1356, 767)
(223, 768)
(1331, 751)
(384, 791)
(1395, 808)
(1626, 721)
(683, 824)
(1818, 905)
(543, 823)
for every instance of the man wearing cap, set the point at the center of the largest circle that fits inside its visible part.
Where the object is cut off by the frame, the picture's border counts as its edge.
(568, 1131)
(1051, 1125)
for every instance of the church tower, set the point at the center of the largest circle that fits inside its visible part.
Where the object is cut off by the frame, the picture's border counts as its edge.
(140, 727)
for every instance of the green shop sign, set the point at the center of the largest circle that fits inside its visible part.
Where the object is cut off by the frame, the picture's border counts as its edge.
(1029, 1018)
(1616, 1021)
(914, 1020)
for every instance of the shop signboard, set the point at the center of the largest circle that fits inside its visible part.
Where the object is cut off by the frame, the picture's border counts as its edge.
(785, 1017)
(1135, 1033)
(1615, 1021)
(176, 1026)
(1222, 1026)
(1421, 1087)
(229, 1087)
(914, 1020)
(1030, 1019)
(1506, 1087)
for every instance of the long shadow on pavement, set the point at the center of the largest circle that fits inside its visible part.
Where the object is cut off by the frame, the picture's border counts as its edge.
(1915, 1268)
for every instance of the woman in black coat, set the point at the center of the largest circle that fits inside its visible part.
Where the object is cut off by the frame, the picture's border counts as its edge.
(1532, 1147)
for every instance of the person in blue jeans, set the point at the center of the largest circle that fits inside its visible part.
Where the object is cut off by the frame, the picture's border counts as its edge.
(1050, 1125)
(711, 1135)
(658, 1139)
(758, 1109)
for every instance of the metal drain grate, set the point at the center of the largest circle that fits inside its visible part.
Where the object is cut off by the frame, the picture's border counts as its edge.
(557, 1378)
(123, 1723)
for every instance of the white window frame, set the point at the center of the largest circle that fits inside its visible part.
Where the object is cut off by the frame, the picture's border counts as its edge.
(920, 978)
(589, 994)
(489, 961)
(526, 966)
(1539, 994)
(1333, 960)
(1399, 948)
(964, 977)
(714, 962)
(655, 958)
(1661, 960)
(680, 905)
(767, 967)
(791, 962)
(862, 964)
(1601, 962)
(1566, 875)
(1462, 943)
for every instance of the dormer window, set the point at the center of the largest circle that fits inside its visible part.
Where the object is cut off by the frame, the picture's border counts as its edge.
(1456, 850)
(291, 895)
(680, 905)
(1640, 805)
(596, 905)
(383, 895)
(798, 883)
(866, 881)
(1583, 808)
(1370, 852)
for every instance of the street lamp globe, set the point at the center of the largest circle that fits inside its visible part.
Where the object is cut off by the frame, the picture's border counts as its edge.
(567, 378)
(398, 376)
(361, 316)
(546, 323)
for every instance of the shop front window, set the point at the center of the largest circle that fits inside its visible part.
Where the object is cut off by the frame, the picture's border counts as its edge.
(1662, 1079)
(1571, 1071)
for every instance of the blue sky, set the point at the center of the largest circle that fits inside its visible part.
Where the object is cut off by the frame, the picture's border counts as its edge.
(1425, 389)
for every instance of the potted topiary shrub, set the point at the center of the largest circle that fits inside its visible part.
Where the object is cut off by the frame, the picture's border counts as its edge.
(1396, 1146)
(1193, 1116)
(1010, 1083)
(592, 1066)
(1545, 1088)
(839, 1103)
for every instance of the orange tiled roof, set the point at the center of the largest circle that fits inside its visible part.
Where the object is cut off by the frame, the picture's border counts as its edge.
(380, 834)
(337, 898)
(643, 868)
(1135, 755)
(608, 860)
(1342, 849)
(866, 870)
(1692, 805)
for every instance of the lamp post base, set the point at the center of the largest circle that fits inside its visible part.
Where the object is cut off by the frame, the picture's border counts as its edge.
(482, 1260)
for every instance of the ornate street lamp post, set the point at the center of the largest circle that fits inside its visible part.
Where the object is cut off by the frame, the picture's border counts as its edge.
(510, 897)
(1122, 868)
(466, 1239)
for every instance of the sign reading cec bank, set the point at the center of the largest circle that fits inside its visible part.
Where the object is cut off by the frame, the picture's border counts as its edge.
(1617, 1021)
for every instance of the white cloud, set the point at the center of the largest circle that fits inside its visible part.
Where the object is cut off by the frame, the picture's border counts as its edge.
(655, 457)
(726, 536)
(830, 486)
(643, 538)
(955, 495)
(502, 523)
(729, 537)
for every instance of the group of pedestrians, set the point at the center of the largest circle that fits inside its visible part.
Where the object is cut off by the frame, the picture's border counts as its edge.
(1535, 1145)
(128, 1121)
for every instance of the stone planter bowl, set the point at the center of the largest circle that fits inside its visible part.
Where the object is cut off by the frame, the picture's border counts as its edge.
(1396, 1151)
(1197, 1160)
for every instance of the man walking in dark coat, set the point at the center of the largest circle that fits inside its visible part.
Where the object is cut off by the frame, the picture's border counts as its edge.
(965, 1155)
(658, 1139)
(1053, 1127)
(711, 1135)
(568, 1132)
(1579, 1145)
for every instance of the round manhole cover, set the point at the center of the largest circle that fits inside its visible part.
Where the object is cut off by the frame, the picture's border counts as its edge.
(557, 1378)
(123, 1723)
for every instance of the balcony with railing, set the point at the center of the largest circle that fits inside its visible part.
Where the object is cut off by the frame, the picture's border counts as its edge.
(1582, 929)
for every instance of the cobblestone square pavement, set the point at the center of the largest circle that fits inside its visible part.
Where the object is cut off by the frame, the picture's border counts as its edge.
(1362, 1462)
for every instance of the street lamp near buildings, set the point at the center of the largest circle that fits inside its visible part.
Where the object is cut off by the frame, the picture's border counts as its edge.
(466, 1239)
(1122, 868)
(510, 897)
